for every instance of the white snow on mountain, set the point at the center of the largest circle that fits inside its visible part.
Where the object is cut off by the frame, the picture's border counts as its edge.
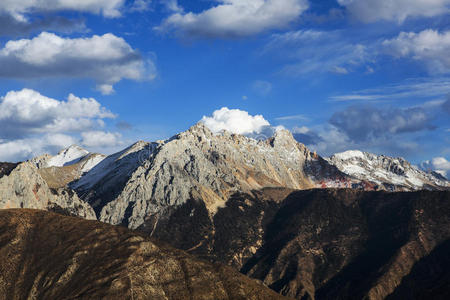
(68, 156)
(385, 170)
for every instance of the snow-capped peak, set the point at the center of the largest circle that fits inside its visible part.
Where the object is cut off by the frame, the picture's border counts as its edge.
(67, 156)
(385, 170)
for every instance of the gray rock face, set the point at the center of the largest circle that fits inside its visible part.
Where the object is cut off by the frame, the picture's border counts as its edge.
(23, 187)
(143, 183)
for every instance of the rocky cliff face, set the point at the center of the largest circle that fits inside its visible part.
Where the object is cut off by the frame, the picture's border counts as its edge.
(387, 172)
(23, 187)
(49, 256)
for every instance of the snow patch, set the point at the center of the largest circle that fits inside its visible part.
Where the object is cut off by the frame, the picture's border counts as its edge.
(68, 156)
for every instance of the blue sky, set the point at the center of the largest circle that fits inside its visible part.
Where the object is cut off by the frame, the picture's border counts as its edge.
(340, 74)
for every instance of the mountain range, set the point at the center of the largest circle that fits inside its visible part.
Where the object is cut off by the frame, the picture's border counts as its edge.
(354, 225)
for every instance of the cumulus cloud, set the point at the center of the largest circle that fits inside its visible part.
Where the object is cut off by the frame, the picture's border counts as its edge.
(438, 164)
(23, 149)
(20, 8)
(100, 139)
(394, 10)
(27, 112)
(107, 59)
(429, 46)
(32, 124)
(235, 18)
(365, 122)
(235, 121)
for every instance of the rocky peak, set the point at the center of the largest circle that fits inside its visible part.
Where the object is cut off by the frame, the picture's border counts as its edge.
(283, 139)
(198, 130)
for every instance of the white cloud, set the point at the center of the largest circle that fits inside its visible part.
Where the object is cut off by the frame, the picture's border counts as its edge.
(23, 149)
(100, 139)
(429, 46)
(235, 18)
(28, 112)
(438, 164)
(20, 8)
(394, 10)
(235, 121)
(32, 124)
(106, 59)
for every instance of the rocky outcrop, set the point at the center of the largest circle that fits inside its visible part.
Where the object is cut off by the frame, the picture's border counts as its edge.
(23, 187)
(49, 256)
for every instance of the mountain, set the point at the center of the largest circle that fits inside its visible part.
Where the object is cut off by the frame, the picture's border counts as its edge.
(388, 172)
(310, 228)
(48, 256)
(147, 181)
(22, 186)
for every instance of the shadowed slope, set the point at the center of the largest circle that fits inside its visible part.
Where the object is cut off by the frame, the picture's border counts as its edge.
(48, 256)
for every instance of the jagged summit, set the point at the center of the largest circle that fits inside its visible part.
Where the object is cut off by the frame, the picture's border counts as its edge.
(146, 179)
(385, 170)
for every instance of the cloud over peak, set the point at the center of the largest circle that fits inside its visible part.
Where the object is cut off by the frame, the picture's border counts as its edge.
(107, 59)
(236, 18)
(235, 121)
